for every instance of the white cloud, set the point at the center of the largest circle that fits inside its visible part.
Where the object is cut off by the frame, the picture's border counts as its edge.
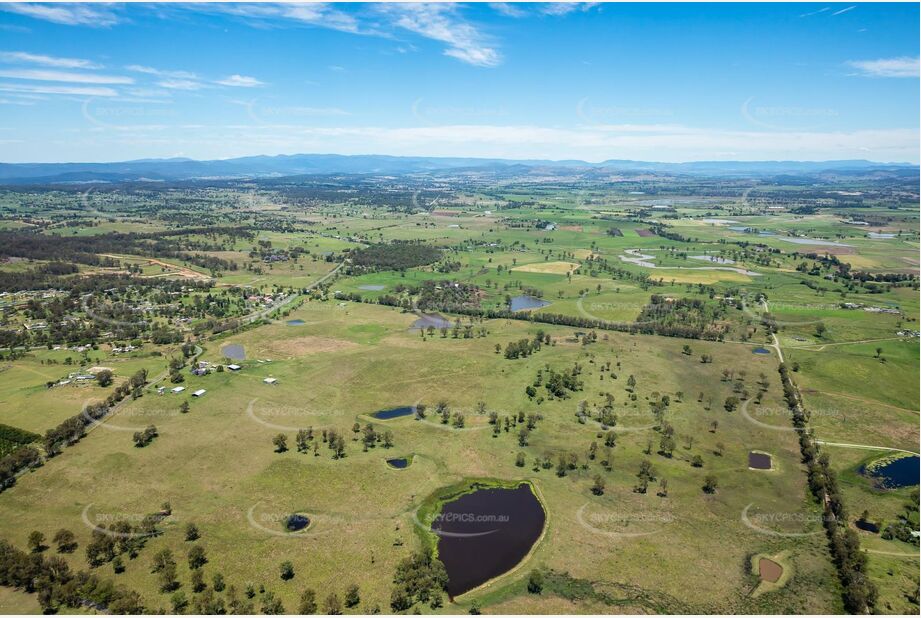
(845, 10)
(65, 76)
(180, 84)
(89, 91)
(318, 14)
(888, 67)
(564, 8)
(97, 16)
(137, 68)
(240, 81)
(508, 9)
(48, 61)
(440, 22)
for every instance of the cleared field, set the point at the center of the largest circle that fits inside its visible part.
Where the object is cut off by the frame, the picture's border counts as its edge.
(554, 268)
(363, 510)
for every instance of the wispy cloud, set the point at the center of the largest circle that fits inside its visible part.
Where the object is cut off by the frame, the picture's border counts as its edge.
(240, 81)
(845, 10)
(888, 67)
(441, 22)
(137, 68)
(48, 61)
(318, 14)
(94, 15)
(508, 9)
(88, 91)
(822, 10)
(65, 76)
(180, 84)
(564, 8)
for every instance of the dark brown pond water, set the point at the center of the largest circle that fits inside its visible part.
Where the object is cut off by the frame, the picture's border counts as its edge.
(759, 461)
(486, 533)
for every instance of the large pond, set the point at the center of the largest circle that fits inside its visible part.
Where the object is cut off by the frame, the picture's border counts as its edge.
(522, 303)
(394, 412)
(295, 322)
(371, 288)
(483, 534)
(811, 241)
(901, 472)
(434, 320)
(234, 351)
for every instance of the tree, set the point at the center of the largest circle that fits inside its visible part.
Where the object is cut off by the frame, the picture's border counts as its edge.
(36, 542)
(287, 570)
(197, 558)
(217, 582)
(65, 541)
(686, 350)
(520, 460)
(198, 580)
(663, 487)
(820, 329)
(332, 605)
(191, 532)
(598, 485)
(281, 443)
(713, 426)
(104, 378)
(535, 582)
(666, 446)
(179, 602)
(352, 597)
(167, 577)
(720, 447)
(731, 403)
(697, 461)
(184, 407)
(710, 484)
(308, 604)
(271, 605)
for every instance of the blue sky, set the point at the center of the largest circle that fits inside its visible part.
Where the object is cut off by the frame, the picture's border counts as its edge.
(664, 82)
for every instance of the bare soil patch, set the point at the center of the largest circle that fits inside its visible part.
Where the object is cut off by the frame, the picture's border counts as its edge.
(310, 344)
(769, 570)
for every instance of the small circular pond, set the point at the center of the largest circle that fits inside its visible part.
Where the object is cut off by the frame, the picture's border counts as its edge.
(296, 522)
(399, 463)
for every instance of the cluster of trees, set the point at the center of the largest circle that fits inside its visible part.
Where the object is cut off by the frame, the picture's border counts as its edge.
(11, 438)
(370, 437)
(860, 594)
(73, 429)
(305, 437)
(558, 383)
(525, 347)
(58, 586)
(398, 255)
(13, 463)
(143, 438)
(684, 317)
(419, 578)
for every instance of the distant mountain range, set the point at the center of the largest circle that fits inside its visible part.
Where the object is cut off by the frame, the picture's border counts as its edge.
(178, 169)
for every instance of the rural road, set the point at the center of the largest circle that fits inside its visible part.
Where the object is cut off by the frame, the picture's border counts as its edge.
(867, 447)
(776, 344)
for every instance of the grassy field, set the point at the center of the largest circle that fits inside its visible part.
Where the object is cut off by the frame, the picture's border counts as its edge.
(349, 361)
(623, 551)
